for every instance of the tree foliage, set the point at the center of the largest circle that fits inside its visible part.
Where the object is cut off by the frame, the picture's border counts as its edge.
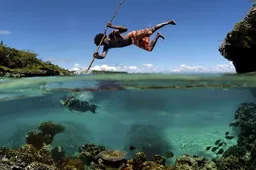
(24, 59)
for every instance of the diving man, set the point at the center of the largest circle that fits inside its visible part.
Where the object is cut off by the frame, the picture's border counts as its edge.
(140, 38)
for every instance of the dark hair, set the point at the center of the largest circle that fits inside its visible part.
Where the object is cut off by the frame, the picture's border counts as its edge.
(98, 38)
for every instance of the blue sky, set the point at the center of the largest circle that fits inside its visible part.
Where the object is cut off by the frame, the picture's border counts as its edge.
(63, 30)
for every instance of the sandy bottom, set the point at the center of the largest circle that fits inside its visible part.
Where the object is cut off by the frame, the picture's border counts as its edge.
(193, 141)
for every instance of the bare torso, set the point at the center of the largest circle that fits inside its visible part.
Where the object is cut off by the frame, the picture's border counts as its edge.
(117, 41)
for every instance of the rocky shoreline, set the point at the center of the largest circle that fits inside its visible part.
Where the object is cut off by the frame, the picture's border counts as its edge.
(39, 73)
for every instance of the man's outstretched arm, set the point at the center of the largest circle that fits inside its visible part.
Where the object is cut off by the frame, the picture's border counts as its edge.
(102, 55)
(121, 29)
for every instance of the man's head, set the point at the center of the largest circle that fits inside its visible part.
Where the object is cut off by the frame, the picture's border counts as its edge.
(98, 38)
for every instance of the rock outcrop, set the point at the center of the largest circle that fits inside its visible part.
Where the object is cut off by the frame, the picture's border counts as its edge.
(239, 45)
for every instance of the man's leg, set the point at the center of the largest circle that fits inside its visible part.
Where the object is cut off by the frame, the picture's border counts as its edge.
(158, 26)
(154, 41)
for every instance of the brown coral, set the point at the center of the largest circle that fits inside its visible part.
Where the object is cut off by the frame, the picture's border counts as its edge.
(74, 163)
(37, 139)
(89, 151)
(46, 135)
(159, 159)
(39, 166)
(230, 163)
(112, 158)
(51, 128)
(191, 163)
(149, 165)
(25, 156)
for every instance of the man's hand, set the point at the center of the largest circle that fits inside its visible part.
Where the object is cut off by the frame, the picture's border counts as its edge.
(109, 25)
(96, 55)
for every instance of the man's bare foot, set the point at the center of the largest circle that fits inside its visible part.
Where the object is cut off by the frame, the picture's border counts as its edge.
(160, 35)
(172, 22)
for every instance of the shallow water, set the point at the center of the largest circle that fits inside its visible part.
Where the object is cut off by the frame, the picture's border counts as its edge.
(161, 112)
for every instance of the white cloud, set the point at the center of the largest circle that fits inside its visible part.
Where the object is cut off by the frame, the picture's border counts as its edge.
(104, 67)
(5, 32)
(227, 68)
(148, 65)
(76, 68)
(150, 68)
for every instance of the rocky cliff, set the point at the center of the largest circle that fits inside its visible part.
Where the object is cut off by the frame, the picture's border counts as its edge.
(239, 45)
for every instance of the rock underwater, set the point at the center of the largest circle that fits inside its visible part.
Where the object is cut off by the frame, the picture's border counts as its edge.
(239, 45)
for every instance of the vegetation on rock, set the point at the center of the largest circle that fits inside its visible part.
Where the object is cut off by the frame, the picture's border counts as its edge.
(24, 63)
(239, 45)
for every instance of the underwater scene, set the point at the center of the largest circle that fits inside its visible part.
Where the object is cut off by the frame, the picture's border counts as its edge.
(128, 122)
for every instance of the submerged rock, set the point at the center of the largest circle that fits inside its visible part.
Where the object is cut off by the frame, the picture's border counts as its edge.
(230, 163)
(245, 119)
(239, 45)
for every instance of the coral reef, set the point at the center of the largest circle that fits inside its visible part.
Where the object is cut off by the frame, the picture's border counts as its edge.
(51, 128)
(111, 159)
(230, 163)
(240, 44)
(241, 156)
(187, 162)
(245, 119)
(39, 154)
(89, 151)
(70, 139)
(46, 134)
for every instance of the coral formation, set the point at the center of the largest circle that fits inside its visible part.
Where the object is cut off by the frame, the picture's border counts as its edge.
(111, 159)
(240, 44)
(89, 151)
(242, 155)
(159, 159)
(46, 134)
(51, 128)
(245, 119)
(58, 154)
(70, 139)
(187, 162)
(230, 163)
(237, 151)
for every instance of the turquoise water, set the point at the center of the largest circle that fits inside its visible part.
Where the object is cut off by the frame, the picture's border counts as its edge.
(155, 113)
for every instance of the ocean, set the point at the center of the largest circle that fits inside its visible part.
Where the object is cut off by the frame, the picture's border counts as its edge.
(155, 113)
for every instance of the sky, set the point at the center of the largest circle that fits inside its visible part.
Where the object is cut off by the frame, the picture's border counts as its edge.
(62, 31)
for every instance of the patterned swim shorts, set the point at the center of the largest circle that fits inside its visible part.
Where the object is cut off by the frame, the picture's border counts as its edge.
(141, 38)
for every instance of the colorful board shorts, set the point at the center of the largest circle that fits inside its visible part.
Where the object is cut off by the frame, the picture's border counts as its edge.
(141, 38)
